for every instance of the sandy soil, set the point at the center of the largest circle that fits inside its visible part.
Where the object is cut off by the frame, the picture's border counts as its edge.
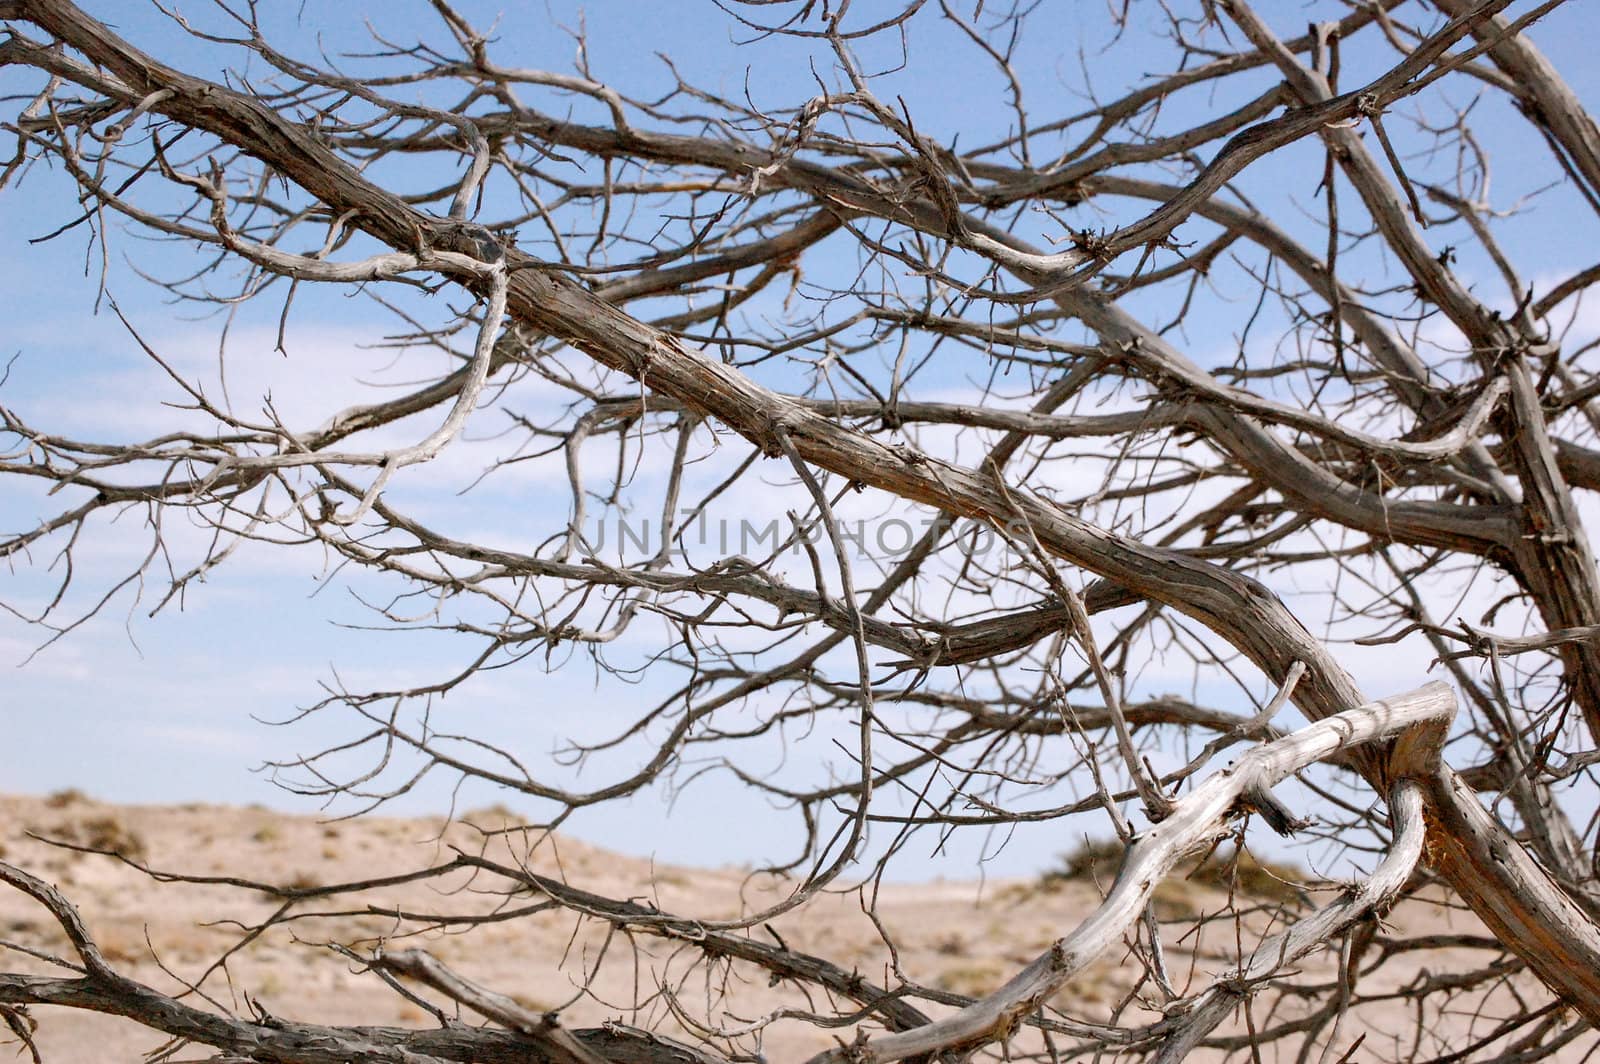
(959, 937)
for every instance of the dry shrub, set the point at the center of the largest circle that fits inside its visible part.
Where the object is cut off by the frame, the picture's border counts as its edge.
(105, 831)
(1175, 899)
(1094, 861)
(108, 832)
(1245, 873)
(1091, 989)
(495, 817)
(973, 980)
(63, 798)
(1236, 870)
(123, 945)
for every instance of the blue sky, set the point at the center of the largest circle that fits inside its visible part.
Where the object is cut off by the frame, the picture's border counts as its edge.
(172, 707)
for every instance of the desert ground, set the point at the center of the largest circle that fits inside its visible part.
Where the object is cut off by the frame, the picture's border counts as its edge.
(958, 938)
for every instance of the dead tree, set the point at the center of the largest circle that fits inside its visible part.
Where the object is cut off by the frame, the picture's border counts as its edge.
(989, 345)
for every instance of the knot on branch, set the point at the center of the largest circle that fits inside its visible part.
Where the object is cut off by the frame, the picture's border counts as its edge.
(469, 238)
(1261, 801)
(773, 434)
(1093, 244)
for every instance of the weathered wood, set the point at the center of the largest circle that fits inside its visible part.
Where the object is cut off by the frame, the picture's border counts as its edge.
(1198, 818)
(1519, 902)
